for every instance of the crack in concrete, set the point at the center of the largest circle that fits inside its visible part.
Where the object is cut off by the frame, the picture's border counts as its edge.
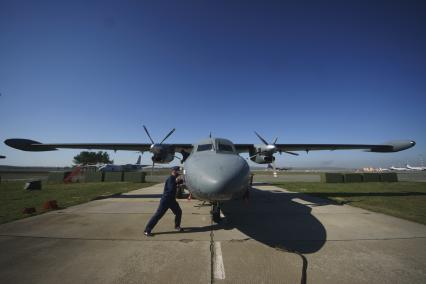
(303, 278)
(240, 240)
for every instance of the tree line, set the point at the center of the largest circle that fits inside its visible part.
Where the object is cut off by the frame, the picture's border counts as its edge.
(91, 158)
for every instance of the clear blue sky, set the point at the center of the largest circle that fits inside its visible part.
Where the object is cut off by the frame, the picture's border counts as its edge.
(305, 71)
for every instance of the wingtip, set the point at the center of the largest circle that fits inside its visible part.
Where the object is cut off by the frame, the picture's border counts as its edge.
(27, 145)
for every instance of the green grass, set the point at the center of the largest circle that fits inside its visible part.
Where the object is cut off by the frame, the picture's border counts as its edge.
(400, 199)
(13, 198)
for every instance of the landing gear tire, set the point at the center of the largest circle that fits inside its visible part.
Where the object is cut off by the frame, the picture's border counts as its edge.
(216, 213)
(179, 192)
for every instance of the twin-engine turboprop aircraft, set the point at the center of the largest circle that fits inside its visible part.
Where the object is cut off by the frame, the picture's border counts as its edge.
(213, 169)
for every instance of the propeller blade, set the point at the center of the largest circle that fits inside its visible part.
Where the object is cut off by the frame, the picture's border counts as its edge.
(260, 137)
(167, 136)
(275, 141)
(149, 136)
(291, 153)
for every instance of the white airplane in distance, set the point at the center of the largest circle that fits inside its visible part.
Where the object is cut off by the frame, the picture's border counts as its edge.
(415, 168)
(398, 169)
(270, 167)
(120, 168)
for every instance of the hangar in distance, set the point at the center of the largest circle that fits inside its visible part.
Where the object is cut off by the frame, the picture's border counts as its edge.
(213, 169)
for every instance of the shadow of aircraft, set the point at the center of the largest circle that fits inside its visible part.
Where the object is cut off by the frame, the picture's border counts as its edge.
(275, 219)
(271, 217)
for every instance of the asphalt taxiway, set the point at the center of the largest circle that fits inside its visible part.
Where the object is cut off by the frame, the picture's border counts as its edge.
(277, 237)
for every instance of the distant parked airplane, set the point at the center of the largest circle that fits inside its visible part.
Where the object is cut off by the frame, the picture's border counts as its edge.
(270, 167)
(121, 168)
(398, 169)
(415, 168)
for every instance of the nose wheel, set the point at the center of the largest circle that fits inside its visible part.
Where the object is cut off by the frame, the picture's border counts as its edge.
(216, 212)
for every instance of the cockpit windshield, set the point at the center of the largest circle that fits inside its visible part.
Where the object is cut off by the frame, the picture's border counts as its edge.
(204, 147)
(225, 148)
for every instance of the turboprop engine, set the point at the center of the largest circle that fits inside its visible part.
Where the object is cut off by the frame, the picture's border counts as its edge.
(162, 154)
(262, 159)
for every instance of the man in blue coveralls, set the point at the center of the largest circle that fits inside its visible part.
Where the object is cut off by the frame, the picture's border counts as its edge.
(168, 200)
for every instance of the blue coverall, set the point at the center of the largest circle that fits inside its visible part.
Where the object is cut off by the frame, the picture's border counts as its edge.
(168, 200)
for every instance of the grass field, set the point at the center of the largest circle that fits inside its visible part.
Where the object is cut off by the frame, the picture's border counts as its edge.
(400, 199)
(13, 198)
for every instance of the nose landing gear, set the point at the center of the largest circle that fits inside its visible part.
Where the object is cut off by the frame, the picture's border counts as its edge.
(216, 212)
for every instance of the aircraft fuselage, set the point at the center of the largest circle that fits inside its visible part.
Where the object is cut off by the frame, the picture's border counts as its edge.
(215, 172)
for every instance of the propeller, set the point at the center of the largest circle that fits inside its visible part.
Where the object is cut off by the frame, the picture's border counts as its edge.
(168, 135)
(152, 140)
(261, 138)
(272, 148)
(153, 143)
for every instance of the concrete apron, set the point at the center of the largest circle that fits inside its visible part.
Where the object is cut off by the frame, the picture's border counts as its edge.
(278, 237)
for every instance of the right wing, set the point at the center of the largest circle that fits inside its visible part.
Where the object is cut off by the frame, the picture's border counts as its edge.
(392, 146)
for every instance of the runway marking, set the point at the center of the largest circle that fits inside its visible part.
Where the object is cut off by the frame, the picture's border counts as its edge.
(219, 268)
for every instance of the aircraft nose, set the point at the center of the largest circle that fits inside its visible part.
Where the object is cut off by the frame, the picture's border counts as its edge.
(221, 177)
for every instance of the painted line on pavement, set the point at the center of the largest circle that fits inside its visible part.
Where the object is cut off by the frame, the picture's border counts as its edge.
(219, 268)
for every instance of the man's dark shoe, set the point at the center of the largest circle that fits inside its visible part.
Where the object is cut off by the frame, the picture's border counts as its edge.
(148, 234)
(179, 229)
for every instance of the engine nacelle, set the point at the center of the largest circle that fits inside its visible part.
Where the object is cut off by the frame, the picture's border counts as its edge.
(163, 159)
(162, 153)
(263, 159)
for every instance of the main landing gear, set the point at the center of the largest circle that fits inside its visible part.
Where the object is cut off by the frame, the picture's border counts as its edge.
(216, 212)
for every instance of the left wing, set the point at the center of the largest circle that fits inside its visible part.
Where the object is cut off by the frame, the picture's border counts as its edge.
(34, 146)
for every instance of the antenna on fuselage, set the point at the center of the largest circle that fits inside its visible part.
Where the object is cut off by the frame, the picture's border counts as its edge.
(213, 145)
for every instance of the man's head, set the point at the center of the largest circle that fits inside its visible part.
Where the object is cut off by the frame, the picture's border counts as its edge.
(175, 171)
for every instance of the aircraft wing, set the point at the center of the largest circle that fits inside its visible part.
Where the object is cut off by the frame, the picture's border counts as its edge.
(393, 146)
(34, 146)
